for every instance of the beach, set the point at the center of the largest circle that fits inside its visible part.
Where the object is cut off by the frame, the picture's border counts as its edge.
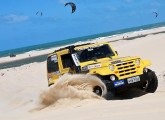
(21, 86)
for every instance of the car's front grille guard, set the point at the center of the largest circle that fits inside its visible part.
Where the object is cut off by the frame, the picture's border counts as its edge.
(126, 69)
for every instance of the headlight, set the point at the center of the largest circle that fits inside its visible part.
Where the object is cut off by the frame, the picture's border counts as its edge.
(112, 77)
(50, 79)
(137, 62)
(111, 67)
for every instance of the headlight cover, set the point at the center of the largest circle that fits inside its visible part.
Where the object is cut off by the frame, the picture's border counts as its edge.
(112, 77)
(137, 62)
(111, 67)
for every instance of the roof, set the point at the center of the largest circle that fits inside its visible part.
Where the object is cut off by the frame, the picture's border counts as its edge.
(71, 46)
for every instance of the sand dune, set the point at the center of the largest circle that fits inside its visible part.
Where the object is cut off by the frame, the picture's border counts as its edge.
(24, 90)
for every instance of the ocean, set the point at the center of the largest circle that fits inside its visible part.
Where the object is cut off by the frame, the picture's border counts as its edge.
(66, 42)
(79, 39)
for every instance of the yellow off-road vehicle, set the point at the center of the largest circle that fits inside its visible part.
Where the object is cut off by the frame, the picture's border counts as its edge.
(117, 73)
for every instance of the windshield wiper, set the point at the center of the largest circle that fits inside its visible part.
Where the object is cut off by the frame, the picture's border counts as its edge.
(94, 58)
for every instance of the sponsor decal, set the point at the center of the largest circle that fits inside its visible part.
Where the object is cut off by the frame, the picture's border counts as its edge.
(50, 74)
(91, 66)
(119, 83)
(84, 68)
(54, 58)
(58, 72)
(75, 59)
(90, 48)
(116, 62)
(97, 65)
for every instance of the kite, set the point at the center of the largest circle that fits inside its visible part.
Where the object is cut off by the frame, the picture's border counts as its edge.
(72, 5)
(38, 12)
(156, 14)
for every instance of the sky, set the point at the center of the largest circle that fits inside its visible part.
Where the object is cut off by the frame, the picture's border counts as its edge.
(21, 27)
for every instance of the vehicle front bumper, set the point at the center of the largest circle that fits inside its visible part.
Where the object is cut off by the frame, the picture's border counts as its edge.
(124, 85)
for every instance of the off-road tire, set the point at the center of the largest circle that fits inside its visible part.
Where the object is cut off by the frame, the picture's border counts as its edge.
(153, 84)
(109, 96)
(98, 90)
(110, 90)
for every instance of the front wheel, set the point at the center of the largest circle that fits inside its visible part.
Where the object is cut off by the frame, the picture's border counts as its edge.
(153, 83)
(109, 96)
(110, 90)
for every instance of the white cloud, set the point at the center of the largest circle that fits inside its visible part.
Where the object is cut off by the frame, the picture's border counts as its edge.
(13, 18)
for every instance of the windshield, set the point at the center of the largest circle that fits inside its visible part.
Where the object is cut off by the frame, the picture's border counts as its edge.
(94, 52)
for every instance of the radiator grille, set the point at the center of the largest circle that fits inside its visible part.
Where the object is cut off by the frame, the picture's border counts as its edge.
(126, 68)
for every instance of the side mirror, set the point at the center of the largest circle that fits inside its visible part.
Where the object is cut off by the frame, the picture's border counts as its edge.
(116, 52)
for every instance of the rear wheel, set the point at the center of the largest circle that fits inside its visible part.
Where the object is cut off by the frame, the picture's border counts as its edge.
(98, 90)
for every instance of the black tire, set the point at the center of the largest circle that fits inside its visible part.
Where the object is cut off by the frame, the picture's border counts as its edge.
(153, 83)
(109, 96)
(98, 90)
(110, 90)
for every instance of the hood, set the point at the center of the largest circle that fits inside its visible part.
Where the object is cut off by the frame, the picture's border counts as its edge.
(105, 62)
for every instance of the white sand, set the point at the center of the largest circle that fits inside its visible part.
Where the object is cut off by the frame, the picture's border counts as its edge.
(20, 88)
